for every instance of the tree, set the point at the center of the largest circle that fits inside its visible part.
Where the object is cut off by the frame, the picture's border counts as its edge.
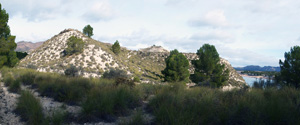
(290, 67)
(208, 69)
(177, 67)
(88, 30)
(116, 47)
(7, 42)
(75, 46)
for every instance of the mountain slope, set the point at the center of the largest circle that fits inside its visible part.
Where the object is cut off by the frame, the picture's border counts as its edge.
(97, 57)
(24, 46)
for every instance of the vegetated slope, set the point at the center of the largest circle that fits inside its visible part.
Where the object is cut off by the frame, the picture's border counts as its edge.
(24, 46)
(97, 57)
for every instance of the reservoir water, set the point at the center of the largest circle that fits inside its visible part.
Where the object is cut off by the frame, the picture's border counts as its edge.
(250, 80)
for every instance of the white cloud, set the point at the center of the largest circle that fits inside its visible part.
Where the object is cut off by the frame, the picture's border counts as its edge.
(214, 35)
(100, 10)
(215, 18)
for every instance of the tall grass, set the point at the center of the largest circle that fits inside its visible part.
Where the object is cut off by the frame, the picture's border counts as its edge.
(106, 102)
(212, 106)
(30, 109)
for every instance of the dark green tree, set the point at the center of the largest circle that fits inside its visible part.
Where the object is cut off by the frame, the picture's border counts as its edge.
(7, 42)
(290, 67)
(116, 47)
(75, 46)
(208, 70)
(177, 67)
(88, 30)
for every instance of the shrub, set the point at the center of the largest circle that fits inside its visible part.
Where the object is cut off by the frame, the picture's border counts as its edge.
(15, 86)
(115, 73)
(27, 77)
(71, 71)
(8, 79)
(136, 79)
(108, 101)
(30, 108)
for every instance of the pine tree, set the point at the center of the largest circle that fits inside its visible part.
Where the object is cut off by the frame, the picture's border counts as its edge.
(290, 67)
(7, 42)
(88, 30)
(116, 47)
(75, 46)
(208, 70)
(177, 67)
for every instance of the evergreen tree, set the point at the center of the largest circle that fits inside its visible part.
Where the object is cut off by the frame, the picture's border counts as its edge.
(88, 30)
(208, 70)
(116, 47)
(7, 42)
(290, 67)
(75, 46)
(177, 67)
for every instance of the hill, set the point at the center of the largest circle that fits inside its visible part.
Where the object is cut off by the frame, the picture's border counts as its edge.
(24, 46)
(258, 68)
(97, 58)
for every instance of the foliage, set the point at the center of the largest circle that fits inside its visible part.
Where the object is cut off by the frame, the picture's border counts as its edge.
(75, 46)
(290, 67)
(107, 101)
(200, 105)
(177, 67)
(116, 47)
(21, 55)
(88, 30)
(114, 74)
(30, 108)
(71, 71)
(208, 68)
(7, 42)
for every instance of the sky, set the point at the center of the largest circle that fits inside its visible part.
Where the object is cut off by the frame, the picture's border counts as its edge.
(245, 32)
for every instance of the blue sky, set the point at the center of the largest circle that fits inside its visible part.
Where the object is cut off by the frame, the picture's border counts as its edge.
(245, 32)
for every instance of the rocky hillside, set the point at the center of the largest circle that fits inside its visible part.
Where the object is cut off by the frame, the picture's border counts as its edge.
(24, 46)
(97, 57)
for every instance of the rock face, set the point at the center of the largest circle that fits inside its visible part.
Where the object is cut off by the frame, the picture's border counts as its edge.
(97, 57)
(24, 46)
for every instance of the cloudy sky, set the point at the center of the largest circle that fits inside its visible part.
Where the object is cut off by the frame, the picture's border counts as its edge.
(245, 32)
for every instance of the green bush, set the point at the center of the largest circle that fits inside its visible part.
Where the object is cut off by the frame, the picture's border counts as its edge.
(30, 108)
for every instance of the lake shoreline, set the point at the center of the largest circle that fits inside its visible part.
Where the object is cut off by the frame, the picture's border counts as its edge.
(257, 77)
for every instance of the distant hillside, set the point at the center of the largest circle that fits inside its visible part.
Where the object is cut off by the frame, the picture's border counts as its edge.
(24, 46)
(258, 68)
(98, 57)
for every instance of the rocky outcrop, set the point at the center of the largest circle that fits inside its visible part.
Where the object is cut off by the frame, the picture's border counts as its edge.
(154, 48)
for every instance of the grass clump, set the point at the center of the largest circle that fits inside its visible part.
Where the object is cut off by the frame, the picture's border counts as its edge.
(15, 86)
(106, 102)
(30, 109)
(8, 79)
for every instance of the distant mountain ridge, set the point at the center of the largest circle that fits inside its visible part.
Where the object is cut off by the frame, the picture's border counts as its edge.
(258, 68)
(25, 46)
